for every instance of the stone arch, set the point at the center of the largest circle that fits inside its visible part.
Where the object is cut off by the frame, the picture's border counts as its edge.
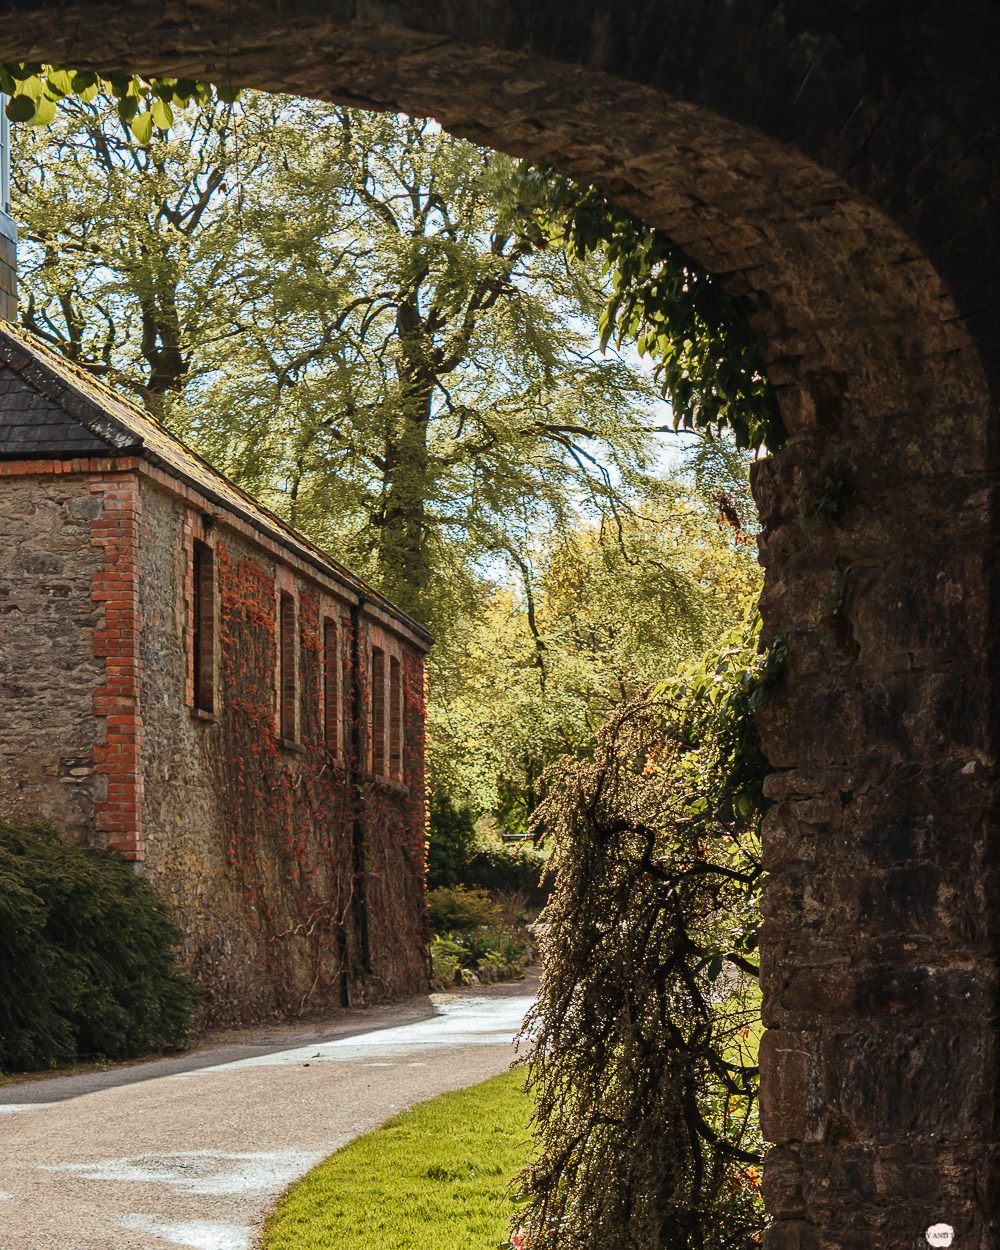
(834, 163)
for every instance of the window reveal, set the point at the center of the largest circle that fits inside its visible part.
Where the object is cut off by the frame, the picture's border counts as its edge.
(347, 691)
(331, 687)
(286, 668)
(203, 627)
(378, 712)
(395, 720)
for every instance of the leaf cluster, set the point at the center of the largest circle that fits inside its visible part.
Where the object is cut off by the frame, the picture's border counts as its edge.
(707, 357)
(642, 1057)
(600, 614)
(87, 964)
(34, 91)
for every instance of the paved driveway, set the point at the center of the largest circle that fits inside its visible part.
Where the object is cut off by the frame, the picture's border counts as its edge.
(193, 1151)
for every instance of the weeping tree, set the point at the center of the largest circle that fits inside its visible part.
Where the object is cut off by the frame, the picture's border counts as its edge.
(643, 1037)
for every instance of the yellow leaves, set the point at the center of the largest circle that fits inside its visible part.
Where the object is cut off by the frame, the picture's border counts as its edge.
(142, 127)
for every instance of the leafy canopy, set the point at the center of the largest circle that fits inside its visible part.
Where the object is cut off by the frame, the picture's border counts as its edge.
(595, 616)
(707, 357)
(337, 309)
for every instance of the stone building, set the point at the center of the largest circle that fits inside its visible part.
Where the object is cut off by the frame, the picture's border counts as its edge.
(186, 678)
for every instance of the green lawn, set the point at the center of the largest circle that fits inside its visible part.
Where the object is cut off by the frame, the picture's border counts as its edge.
(434, 1178)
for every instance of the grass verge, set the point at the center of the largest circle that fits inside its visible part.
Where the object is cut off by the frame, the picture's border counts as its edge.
(435, 1177)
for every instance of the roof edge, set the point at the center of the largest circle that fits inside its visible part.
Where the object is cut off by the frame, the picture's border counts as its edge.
(28, 360)
(19, 358)
(304, 549)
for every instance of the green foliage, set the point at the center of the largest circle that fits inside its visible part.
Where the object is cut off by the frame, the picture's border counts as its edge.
(509, 869)
(36, 90)
(335, 308)
(86, 956)
(457, 907)
(473, 932)
(599, 614)
(455, 856)
(434, 1178)
(642, 1059)
(707, 357)
(451, 839)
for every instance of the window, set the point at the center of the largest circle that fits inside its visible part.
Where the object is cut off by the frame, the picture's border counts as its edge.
(378, 712)
(331, 687)
(203, 627)
(286, 668)
(395, 720)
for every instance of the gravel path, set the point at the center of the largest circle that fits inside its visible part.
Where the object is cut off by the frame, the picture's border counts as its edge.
(193, 1151)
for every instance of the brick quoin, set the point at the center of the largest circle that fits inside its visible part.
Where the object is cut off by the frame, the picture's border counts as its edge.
(117, 532)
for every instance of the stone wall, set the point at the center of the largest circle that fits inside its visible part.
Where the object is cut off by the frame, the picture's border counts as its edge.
(252, 840)
(48, 671)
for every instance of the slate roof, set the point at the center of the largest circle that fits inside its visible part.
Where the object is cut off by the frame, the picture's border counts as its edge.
(52, 409)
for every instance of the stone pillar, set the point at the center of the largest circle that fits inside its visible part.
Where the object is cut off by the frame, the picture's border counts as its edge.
(879, 1067)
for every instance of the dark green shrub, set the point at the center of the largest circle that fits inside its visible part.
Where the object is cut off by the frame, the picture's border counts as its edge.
(507, 870)
(452, 857)
(451, 836)
(87, 965)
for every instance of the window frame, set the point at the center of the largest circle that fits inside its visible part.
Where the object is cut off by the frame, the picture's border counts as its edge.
(332, 687)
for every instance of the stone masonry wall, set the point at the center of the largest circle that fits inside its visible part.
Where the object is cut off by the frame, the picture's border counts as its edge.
(250, 839)
(48, 671)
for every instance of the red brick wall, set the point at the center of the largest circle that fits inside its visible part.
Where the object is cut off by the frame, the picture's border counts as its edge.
(117, 532)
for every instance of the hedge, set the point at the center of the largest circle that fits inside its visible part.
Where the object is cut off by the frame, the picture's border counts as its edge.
(87, 966)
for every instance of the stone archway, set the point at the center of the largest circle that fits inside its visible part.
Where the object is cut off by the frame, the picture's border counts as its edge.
(836, 164)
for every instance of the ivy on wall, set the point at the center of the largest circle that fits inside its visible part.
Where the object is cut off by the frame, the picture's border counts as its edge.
(292, 820)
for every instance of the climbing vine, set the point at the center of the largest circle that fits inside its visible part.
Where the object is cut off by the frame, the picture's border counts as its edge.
(297, 820)
(706, 355)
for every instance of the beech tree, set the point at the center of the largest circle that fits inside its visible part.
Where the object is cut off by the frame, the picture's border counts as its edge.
(339, 309)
